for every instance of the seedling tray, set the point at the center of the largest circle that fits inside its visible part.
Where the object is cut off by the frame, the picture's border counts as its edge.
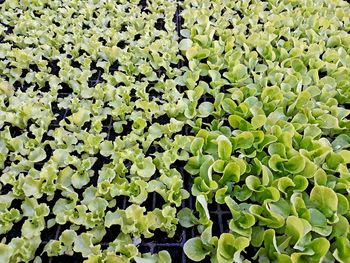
(219, 214)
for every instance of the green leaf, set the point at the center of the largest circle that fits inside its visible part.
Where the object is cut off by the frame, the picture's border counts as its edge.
(193, 165)
(83, 244)
(257, 236)
(202, 207)
(298, 66)
(205, 109)
(270, 242)
(238, 122)
(284, 183)
(197, 145)
(224, 147)
(207, 237)
(31, 187)
(277, 148)
(185, 44)
(60, 156)
(244, 140)
(342, 249)
(194, 249)
(112, 218)
(106, 148)
(237, 73)
(343, 204)
(295, 165)
(258, 121)
(80, 179)
(242, 193)
(67, 237)
(164, 256)
(276, 163)
(228, 105)
(138, 191)
(317, 219)
(6, 252)
(318, 247)
(320, 177)
(297, 228)
(37, 155)
(80, 117)
(333, 160)
(254, 183)
(312, 131)
(186, 217)
(229, 248)
(341, 228)
(6, 88)
(221, 194)
(325, 199)
(146, 169)
(341, 142)
(219, 166)
(232, 173)
(328, 122)
(344, 156)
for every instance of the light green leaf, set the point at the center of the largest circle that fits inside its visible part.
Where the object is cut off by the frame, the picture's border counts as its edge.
(194, 249)
(205, 109)
(185, 44)
(224, 147)
(237, 73)
(244, 140)
(229, 248)
(186, 217)
(146, 169)
(106, 148)
(196, 145)
(37, 155)
(232, 173)
(295, 165)
(342, 249)
(297, 228)
(325, 199)
(83, 244)
(80, 117)
(6, 252)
